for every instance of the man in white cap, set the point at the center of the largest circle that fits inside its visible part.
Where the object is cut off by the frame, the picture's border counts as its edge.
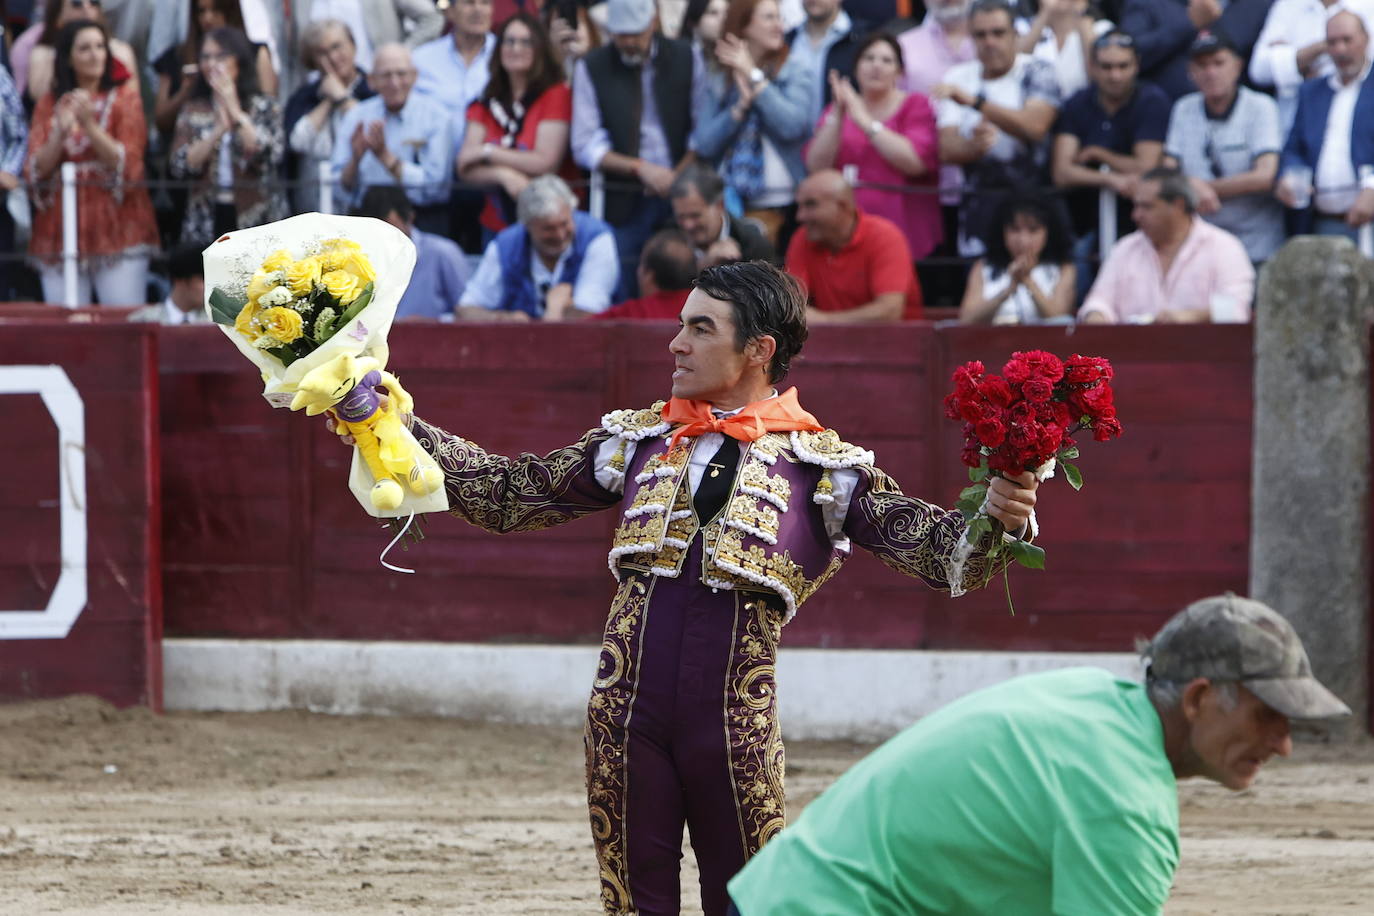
(1050, 793)
(632, 117)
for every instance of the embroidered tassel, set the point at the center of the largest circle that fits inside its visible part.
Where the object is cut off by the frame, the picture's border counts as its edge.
(618, 459)
(825, 489)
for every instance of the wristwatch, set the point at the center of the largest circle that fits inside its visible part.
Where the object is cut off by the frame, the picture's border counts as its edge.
(486, 152)
(757, 76)
(874, 128)
(979, 101)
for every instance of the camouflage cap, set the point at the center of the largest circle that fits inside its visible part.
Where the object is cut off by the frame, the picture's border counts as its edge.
(1229, 638)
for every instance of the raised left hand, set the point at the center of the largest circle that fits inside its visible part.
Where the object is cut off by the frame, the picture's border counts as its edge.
(1011, 499)
(733, 53)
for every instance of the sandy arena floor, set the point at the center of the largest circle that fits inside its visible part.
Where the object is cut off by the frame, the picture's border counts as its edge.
(105, 812)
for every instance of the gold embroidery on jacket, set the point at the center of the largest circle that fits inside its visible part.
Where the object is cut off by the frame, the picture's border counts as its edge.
(757, 762)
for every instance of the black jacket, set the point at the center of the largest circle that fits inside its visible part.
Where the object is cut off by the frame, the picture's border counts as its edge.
(842, 54)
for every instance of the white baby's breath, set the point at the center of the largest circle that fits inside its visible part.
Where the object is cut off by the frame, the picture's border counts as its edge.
(278, 295)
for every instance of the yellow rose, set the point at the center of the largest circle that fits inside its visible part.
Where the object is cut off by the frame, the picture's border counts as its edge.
(277, 260)
(247, 322)
(281, 324)
(262, 281)
(359, 266)
(301, 276)
(345, 244)
(342, 285)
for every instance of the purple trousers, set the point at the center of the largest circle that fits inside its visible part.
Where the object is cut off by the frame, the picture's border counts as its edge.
(682, 729)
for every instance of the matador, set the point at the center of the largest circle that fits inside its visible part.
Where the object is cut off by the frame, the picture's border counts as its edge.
(736, 505)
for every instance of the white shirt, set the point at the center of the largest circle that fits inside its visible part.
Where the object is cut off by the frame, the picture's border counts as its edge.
(1070, 62)
(592, 290)
(1290, 26)
(350, 12)
(173, 314)
(1020, 307)
(1006, 90)
(1335, 181)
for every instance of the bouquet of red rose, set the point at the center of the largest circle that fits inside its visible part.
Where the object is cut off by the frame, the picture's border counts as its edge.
(1025, 420)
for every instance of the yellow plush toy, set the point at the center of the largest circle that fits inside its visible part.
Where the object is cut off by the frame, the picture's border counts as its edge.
(349, 385)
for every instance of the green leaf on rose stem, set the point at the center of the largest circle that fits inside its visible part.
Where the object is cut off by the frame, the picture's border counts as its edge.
(224, 308)
(978, 474)
(969, 507)
(357, 306)
(1070, 452)
(1027, 554)
(285, 354)
(1072, 475)
(977, 491)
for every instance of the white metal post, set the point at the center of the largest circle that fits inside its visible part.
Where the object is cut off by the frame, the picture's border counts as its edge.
(1106, 219)
(69, 243)
(326, 187)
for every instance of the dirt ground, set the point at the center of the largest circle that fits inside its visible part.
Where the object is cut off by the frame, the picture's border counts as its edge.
(121, 812)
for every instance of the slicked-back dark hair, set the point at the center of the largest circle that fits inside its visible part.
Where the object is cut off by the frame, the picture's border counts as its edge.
(766, 302)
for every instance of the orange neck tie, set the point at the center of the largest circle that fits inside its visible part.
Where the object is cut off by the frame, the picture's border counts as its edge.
(780, 414)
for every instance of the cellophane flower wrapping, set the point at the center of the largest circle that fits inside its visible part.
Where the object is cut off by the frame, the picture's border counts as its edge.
(237, 259)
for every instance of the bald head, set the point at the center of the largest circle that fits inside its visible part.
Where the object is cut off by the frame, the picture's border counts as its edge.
(393, 74)
(1347, 41)
(826, 210)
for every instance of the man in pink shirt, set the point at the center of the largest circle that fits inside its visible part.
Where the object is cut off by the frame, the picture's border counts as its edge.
(1177, 268)
(935, 45)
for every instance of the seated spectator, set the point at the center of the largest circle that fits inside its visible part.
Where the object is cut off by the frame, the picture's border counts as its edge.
(698, 197)
(667, 268)
(849, 260)
(755, 116)
(178, 67)
(1164, 30)
(453, 70)
(937, 44)
(14, 142)
(1290, 50)
(632, 120)
(995, 115)
(39, 73)
(396, 137)
(315, 111)
(1027, 276)
(185, 303)
(881, 135)
(92, 120)
(373, 22)
(441, 269)
(1176, 268)
(829, 43)
(571, 37)
(518, 130)
(228, 138)
(557, 263)
(1331, 141)
(1225, 138)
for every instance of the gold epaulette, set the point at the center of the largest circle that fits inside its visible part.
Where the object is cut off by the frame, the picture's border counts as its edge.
(634, 425)
(828, 450)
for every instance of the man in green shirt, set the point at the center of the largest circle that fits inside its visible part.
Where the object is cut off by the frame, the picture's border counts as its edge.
(1053, 793)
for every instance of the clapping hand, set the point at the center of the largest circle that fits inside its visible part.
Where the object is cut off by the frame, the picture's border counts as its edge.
(838, 85)
(358, 142)
(376, 138)
(734, 54)
(953, 93)
(64, 118)
(1020, 269)
(82, 107)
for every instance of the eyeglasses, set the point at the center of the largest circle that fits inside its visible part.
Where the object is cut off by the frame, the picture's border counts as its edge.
(515, 41)
(1115, 40)
(214, 57)
(80, 3)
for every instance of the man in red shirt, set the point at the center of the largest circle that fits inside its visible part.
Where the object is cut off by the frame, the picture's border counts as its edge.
(667, 267)
(853, 263)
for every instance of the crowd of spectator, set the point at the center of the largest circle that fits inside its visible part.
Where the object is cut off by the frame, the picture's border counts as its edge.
(1014, 161)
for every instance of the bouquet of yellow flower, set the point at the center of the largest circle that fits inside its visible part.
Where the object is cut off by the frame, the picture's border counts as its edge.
(310, 301)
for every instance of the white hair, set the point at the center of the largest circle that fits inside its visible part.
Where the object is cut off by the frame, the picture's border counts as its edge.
(544, 197)
(1168, 695)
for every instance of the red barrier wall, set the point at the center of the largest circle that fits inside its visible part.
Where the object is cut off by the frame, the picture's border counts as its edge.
(114, 647)
(263, 539)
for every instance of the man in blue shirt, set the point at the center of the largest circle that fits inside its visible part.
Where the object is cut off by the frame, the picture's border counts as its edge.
(441, 269)
(395, 137)
(556, 264)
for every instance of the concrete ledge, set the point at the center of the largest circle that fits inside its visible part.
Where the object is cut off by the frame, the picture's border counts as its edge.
(863, 695)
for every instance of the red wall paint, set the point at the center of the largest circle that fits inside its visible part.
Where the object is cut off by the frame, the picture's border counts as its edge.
(114, 648)
(263, 539)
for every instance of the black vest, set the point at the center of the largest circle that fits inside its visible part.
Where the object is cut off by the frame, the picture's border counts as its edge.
(618, 93)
